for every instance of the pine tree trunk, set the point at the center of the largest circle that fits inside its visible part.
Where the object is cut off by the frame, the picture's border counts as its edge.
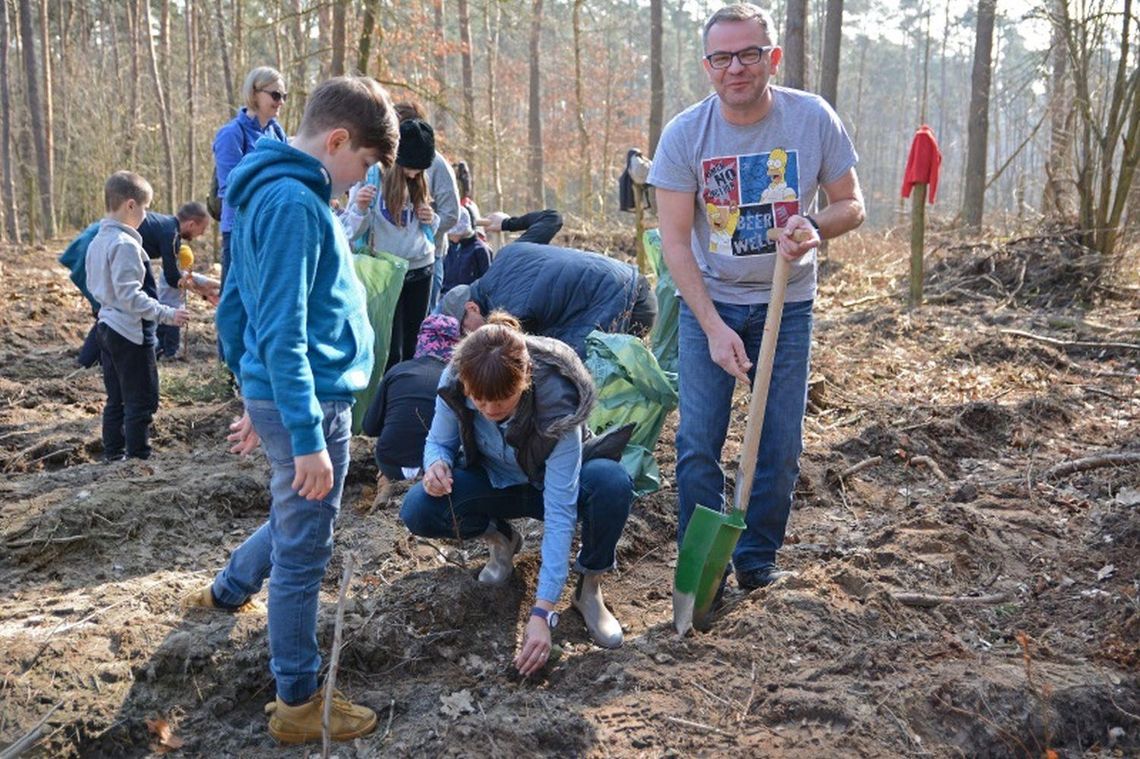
(12, 222)
(491, 32)
(794, 64)
(49, 107)
(585, 188)
(439, 66)
(167, 139)
(468, 81)
(535, 182)
(35, 110)
(135, 122)
(297, 86)
(339, 20)
(656, 73)
(228, 72)
(973, 203)
(239, 37)
(364, 46)
(190, 107)
(832, 38)
(1057, 199)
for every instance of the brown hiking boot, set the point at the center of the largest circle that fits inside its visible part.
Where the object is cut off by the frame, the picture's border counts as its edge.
(300, 724)
(203, 598)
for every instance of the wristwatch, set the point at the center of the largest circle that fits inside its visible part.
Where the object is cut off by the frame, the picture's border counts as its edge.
(551, 617)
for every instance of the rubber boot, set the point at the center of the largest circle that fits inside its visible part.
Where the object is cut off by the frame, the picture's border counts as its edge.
(603, 626)
(302, 723)
(501, 561)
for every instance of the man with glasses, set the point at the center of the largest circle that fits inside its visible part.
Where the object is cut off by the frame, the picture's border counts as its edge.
(745, 160)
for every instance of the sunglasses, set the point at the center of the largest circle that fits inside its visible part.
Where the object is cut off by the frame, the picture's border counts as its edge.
(278, 97)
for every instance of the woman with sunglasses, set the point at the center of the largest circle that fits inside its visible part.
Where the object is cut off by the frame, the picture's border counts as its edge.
(264, 94)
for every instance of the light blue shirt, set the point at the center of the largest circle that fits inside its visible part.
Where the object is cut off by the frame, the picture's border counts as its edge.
(559, 486)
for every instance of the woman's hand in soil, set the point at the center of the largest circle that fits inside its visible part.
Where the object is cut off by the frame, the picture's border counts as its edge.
(243, 436)
(437, 479)
(364, 197)
(314, 475)
(535, 649)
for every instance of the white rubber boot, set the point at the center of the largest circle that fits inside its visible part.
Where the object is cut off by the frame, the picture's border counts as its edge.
(603, 626)
(501, 561)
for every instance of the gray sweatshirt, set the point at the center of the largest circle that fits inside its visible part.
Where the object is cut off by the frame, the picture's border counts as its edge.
(413, 241)
(445, 199)
(116, 267)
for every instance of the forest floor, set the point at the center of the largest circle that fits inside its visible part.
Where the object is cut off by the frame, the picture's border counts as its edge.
(964, 415)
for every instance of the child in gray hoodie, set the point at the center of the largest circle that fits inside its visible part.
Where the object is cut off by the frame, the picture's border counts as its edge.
(120, 280)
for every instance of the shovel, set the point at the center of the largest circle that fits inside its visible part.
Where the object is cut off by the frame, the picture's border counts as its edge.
(711, 535)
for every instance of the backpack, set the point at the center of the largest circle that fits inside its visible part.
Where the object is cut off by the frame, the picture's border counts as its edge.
(213, 200)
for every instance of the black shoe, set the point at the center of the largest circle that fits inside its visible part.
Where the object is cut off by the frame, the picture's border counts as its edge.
(761, 577)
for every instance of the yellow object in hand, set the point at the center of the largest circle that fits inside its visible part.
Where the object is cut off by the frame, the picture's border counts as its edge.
(185, 257)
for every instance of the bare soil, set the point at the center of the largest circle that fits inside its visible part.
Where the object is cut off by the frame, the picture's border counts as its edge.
(958, 415)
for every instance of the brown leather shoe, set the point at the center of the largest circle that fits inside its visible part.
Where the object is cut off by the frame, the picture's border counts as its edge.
(301, 724)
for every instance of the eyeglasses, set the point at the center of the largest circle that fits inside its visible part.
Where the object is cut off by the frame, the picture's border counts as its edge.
(749, 56)
(279, 97)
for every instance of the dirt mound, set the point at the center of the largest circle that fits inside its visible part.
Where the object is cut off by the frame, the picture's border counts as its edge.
(1049, 270)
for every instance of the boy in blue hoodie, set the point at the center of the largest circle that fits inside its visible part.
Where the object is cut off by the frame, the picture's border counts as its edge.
(293, 330)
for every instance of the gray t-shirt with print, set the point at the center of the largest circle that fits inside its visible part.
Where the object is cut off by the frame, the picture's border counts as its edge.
(747, 180)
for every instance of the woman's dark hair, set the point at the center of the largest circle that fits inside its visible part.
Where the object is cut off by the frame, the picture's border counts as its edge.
(492, 362)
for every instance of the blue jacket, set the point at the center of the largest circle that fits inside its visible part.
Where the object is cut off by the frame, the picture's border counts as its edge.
(236, 138)
(559, 292)
(466, 261)
(292, 316)
(74, 257)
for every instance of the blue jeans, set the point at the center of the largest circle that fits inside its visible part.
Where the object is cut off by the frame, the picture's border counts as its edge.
(130, 378)
(292, 550)
(169, 337)
(604, 497)
(705, 402)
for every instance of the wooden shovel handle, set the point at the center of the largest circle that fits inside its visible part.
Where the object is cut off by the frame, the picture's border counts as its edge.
(758, 403)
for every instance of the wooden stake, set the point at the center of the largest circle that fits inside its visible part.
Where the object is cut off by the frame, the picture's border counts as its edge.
(334, 658)
(917, 235)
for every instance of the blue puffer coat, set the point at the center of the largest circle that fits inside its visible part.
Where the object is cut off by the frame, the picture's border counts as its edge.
(559, 292)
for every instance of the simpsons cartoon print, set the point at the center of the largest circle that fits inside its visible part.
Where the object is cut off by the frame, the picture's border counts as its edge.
(747, 195)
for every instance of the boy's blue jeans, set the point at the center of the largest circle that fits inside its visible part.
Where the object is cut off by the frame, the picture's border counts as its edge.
(169, 338)
(705, 402)
(130, 378)
(604, 496)
(292, 549)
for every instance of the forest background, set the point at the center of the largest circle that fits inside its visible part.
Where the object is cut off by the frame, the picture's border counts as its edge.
(543, 98)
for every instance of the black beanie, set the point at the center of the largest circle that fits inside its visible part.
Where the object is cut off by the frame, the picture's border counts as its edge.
(417, 145)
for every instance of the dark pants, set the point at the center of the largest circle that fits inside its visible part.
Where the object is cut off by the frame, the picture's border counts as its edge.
(130, 377)
(89, 353)
(411, 309)
(394, 472)
(169, 338)
(644, 311)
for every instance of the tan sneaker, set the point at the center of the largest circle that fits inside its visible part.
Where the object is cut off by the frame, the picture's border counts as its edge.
(203, 598)
(300, 724)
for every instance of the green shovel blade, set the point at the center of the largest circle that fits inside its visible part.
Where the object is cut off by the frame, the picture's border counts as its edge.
(705, 552)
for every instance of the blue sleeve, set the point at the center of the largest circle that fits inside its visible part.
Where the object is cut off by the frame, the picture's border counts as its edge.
(230, 318)
(228, 145)
(442, 442)
(560, 514)
(286, 257)
(540, 226)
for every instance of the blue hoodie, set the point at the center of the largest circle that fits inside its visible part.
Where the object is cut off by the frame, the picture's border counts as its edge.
(292, 317)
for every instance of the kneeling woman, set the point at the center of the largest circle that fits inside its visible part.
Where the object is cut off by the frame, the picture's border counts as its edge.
(517, 406)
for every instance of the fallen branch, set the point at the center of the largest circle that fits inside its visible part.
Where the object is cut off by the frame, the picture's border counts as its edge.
(930, 464)
(334, 657)
(59, 541)
(695, 725)
(860, 466)
(1070, 343)
(864, 299)
(927, 600)
(1092, 462)
(30, 738)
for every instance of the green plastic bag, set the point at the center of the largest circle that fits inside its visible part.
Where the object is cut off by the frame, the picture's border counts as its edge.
(631, 388)
(663, 337)
(382, 275)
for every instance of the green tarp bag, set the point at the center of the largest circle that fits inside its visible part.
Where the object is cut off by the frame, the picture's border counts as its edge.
(663, 336)
(631, 388)
(382, 275)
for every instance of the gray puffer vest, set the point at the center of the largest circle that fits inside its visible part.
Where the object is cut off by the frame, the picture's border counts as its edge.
(560, 398)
